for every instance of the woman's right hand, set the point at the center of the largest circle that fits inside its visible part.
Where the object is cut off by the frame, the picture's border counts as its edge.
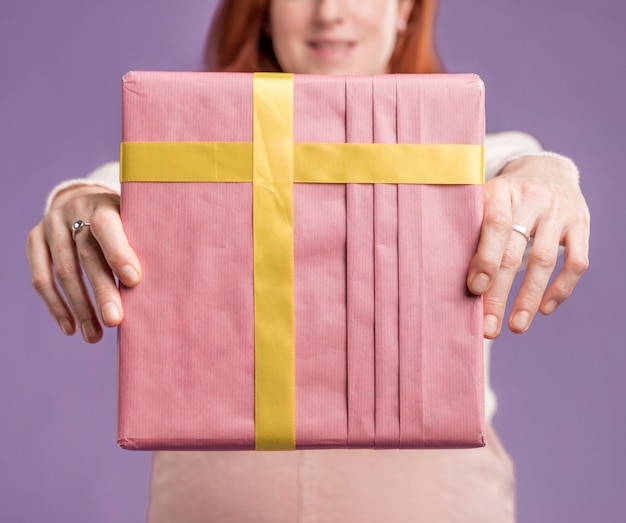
(101, 250)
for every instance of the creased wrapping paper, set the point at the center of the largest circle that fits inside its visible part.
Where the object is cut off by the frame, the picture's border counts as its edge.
(387, 342)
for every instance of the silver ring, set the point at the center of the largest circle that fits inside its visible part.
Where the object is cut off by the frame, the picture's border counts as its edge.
(78, 226)
(523, 231)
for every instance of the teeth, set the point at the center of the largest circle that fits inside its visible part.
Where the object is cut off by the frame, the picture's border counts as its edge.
(331, 45)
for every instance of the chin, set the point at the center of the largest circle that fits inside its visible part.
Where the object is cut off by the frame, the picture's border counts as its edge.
(336, 70)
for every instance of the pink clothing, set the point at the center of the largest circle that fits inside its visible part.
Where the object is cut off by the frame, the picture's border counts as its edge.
(431, 486)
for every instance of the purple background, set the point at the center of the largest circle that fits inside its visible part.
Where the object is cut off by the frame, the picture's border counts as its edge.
(553, 68)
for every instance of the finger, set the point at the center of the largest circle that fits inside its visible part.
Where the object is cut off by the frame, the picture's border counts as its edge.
(540, 267)
(494, 236)
(101, 279)
(68, 273)
(575, 264)
(43, 281)
(495, 299)
(107, 229)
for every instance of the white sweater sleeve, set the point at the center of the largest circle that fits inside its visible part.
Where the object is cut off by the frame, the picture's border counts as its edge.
(107, 175)
(501, 148)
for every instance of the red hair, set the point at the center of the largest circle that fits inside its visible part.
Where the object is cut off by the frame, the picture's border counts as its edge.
(238, 41)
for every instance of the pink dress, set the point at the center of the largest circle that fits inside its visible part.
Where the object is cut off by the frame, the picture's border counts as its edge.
(431, 486)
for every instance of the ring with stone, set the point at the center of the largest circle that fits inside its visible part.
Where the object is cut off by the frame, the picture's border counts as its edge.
(523, 231)
(78, 226)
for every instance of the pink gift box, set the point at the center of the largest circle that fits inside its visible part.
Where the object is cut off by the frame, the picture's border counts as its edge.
(388, 348)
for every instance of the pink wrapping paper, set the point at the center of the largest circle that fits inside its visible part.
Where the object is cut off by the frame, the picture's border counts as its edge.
(388, 340)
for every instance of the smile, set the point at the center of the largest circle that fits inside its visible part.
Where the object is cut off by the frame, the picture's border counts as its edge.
(332, 50)
(331, 46)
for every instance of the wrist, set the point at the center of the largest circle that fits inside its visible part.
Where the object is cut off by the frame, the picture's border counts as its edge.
(69, 189)
(566, 164)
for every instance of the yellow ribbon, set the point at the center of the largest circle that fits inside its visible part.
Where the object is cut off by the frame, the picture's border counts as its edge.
(312, 163)
(272, 162)
(274, 342)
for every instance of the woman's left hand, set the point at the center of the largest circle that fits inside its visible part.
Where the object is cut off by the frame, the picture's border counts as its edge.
(542, 195)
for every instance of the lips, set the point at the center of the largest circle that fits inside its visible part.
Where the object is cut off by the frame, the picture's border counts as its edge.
(328, 45)
(331, 49)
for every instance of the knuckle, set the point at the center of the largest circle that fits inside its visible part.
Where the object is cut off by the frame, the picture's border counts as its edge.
(493, 304)
(510, 260)
(65, 272)
(116, 258)
(543, 258)
(60, 250)
(102, 293)
(98, 222)
(54, 215)
(498, 221)
(529, 300)
(82, 311)
(488, 262)
(40, 283)
(497, 188)
(578, 265)
(102, 217)
(533, 191)
(89, 254)
(582, 219)
(562, 291)
(32, 238)
(97, 227)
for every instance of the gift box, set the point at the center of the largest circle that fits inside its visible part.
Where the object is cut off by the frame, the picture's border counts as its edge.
(304, 242)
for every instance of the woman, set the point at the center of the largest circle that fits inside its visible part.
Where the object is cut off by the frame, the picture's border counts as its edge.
(529, 193)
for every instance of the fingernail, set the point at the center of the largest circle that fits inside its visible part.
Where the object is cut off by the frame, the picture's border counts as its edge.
(550, 307)
(129, 275)
(490, 325)
(111, 313)
(521, 321)
(88, 330)
(480, 283)
(66, 326)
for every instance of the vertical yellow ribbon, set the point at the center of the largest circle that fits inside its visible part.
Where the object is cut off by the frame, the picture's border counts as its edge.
(273, 262)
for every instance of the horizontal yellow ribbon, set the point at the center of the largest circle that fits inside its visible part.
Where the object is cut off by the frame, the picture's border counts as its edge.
(312, 163)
